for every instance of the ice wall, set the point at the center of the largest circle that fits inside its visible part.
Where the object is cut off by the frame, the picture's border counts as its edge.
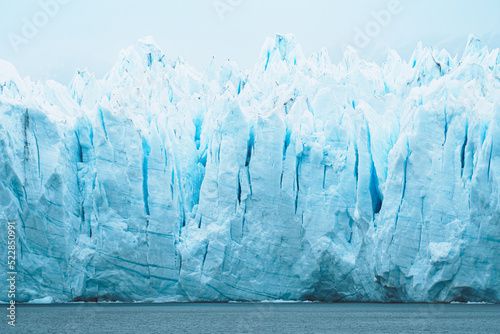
(297, 180)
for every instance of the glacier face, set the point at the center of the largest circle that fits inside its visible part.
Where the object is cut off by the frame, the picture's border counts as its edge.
(297, 180)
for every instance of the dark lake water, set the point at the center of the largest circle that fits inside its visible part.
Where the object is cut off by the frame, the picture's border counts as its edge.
(255, 318)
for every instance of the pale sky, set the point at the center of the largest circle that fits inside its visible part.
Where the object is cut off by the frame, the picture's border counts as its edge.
(90, 33)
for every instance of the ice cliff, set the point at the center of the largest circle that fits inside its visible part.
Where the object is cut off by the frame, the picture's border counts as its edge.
(297, 180)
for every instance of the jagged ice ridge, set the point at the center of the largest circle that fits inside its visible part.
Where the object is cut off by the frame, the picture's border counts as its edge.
(297, 180)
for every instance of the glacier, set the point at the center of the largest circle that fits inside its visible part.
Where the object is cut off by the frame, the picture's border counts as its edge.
(297, 180)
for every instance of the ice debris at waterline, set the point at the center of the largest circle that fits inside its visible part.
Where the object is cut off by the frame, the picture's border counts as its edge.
(298, 180)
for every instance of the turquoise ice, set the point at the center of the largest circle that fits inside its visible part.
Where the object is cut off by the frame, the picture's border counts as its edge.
(297, 180)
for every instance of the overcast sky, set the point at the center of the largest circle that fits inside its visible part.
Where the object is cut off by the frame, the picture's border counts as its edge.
(90, 33)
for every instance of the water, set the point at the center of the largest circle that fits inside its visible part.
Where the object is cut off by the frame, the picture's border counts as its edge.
(255, 318)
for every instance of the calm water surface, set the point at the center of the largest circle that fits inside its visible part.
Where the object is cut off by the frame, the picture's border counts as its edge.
(255, 318)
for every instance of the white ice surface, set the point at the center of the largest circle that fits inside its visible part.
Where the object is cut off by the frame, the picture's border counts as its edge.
(298, 180)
